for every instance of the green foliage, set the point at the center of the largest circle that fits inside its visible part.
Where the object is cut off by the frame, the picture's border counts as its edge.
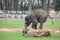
(19, 36)
(16, 4)
(1, 5)
(57, 4)
(57, 1)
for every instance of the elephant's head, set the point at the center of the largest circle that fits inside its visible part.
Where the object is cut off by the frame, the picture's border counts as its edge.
(27, 23)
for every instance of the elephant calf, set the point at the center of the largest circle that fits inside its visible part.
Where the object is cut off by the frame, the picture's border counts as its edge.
(36, 16)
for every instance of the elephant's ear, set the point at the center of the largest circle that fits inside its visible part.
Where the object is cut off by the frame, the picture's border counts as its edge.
(26, 18)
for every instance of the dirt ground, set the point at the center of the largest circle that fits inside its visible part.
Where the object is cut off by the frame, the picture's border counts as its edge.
(21, 29)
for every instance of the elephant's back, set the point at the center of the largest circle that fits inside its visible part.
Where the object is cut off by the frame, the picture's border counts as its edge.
(38, 11)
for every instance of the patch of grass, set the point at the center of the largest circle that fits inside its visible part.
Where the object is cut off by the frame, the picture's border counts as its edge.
(20, 23)
(11, 23)
(18, 36)
(48, 23)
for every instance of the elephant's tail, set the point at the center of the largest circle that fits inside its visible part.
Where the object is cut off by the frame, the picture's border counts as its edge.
(51, 18)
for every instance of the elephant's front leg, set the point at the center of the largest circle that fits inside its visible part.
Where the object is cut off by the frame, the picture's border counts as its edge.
(27, 23)
(41, 25)
(34, 24)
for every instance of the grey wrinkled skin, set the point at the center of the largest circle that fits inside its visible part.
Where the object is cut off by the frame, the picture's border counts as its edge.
(36, 16)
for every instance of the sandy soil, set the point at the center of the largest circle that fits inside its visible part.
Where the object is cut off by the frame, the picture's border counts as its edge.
(21, 29)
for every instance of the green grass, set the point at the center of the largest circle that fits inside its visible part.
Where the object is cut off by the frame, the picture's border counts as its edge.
(49, 24)
(18, 36)
(20, 23)
(11, 23)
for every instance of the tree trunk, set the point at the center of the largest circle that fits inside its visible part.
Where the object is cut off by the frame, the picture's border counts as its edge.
(30, 4)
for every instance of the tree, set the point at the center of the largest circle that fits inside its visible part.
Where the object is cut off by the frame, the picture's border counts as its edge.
(1, 5)
(57, 5)
(16, 4)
